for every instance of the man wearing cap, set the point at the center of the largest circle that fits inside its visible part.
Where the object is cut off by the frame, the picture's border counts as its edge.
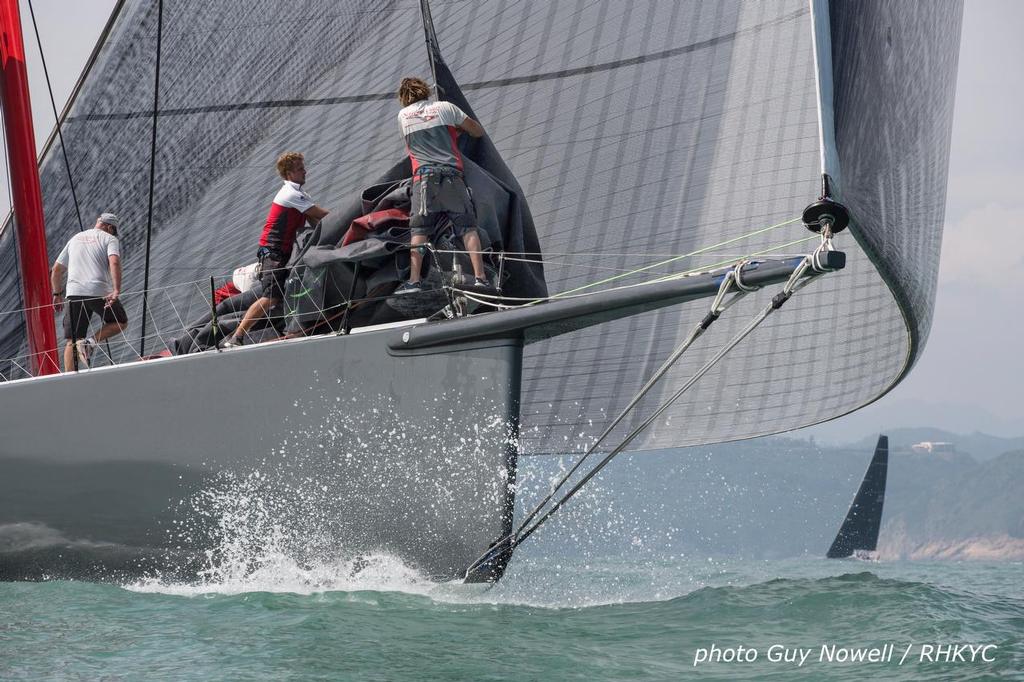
(91, 262)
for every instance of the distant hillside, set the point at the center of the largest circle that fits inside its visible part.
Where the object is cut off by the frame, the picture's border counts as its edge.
(778, 497)
(980, 446)
(937, 509)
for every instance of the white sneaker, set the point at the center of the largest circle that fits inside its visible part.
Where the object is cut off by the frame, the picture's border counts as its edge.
(85, 347)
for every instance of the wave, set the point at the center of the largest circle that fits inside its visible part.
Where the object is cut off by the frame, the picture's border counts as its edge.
(279, 573)
(25, 536)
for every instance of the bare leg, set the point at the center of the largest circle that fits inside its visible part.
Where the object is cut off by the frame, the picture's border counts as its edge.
(108, 330)
(415, 257)
(472, 241)
(256, 312)
(69, 357)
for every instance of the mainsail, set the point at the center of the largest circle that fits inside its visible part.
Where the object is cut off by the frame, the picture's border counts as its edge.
(864, 518)
(639, 132)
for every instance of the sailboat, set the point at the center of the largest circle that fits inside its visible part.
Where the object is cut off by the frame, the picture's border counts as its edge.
(661, 162)
(858, 536)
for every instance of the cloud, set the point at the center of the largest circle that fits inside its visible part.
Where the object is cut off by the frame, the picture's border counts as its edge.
(970, 189)
(984, 249)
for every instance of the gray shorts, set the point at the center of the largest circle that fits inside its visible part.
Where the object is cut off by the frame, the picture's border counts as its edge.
(80, 309)
(436, 196)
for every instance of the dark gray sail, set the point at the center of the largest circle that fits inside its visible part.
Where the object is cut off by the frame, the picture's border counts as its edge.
(859, 531)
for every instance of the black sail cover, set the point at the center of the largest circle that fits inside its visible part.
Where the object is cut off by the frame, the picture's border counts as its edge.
(627, 133)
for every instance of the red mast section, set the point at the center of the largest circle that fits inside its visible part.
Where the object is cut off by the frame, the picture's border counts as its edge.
(28, 201)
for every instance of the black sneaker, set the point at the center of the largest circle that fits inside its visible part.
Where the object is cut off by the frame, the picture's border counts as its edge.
(479, 283)
(409, 288)
(230, 342)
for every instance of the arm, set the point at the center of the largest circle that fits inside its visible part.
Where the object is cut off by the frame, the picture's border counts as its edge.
(115, 277)
(472, 127)
(57, 285)
(314, 214)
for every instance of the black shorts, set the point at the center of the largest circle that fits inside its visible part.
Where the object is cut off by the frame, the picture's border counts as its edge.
(273, 275)
(436, 196)
(79, 310)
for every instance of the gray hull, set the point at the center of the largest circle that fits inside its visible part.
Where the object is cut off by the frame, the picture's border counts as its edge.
(398, 441)
(354, 448)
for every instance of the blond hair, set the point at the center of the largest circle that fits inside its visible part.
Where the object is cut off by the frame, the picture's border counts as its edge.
(412, 90)
(287, 162)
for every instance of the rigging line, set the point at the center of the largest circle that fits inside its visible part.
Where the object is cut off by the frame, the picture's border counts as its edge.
(152, 173)
(704, 269)
(567, 263)
(718, 306)
(56, 116)
(676, 258)
(792, 286)
(711, 266)
(664, 278)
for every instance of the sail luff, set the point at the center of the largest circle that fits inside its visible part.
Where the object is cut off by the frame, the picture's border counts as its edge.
(821, 31)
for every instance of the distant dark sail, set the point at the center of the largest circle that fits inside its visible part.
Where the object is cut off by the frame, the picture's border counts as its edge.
(860, 528)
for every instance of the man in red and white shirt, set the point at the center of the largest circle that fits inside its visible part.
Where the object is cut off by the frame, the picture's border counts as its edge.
(291, 210)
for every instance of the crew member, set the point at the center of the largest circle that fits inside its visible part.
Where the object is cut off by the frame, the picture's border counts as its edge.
(439, 189)
(91, 262)
(291, 210)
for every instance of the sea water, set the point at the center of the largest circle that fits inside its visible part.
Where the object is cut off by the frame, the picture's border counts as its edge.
(618, 587)
(604, 619)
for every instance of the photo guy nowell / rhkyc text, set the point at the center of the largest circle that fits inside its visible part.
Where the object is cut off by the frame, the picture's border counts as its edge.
(834, 653)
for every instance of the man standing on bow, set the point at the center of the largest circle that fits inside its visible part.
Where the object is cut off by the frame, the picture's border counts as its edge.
(291, 209)
(439, 188)
(91, 262)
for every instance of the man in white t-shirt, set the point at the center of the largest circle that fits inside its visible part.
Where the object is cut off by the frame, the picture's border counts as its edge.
(439, 191)
(91, 263)
(289, 213)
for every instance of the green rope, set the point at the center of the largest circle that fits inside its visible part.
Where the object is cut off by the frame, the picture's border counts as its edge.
(677, 258)
(711, 266)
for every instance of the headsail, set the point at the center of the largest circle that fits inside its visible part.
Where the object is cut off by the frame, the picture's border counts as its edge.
(860, 527)
(639, 132)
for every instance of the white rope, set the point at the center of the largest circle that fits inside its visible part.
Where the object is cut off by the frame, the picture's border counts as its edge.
(737, 274)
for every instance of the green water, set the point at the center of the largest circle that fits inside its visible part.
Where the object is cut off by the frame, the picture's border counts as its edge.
(549, 620)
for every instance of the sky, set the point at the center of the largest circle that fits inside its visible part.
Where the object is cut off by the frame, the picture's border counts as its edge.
(967, 378)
